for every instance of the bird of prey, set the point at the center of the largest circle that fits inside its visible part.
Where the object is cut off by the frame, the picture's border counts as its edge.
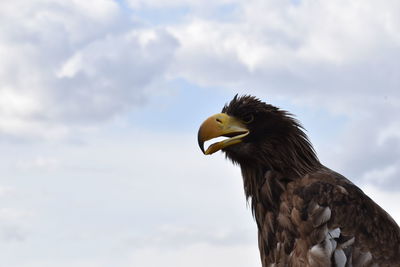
(306, 214)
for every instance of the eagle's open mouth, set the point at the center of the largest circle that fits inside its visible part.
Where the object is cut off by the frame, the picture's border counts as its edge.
(222, 130)
(223, 141)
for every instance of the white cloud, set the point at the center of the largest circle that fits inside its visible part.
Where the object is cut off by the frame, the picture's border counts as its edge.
(123, 197)
(111, 75)
(12, 103)
(386, 175)
(285, 49)
(177, 3)
(387, 200)
(39, 162)
(6, 191)
(9, 214)
(68, 62)
(367, 151)
(13, 221)
(198, 255)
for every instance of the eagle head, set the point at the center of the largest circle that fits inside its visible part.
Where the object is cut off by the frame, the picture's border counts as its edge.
(256, 133)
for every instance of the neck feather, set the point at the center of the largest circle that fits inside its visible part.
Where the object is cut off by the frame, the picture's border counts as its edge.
(282, 160)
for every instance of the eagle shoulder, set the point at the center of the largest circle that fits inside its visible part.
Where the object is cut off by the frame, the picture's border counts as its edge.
(322, 219)
(337, 224)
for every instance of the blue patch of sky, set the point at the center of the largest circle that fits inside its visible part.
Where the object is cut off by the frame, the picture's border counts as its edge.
(123, 5)
(321, 125)
(177, 14)
(184, 110)
(296, 2)
(155, 16)
(226, 12)
(162, 16)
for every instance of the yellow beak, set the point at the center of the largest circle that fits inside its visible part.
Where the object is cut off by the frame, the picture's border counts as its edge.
(218, 125)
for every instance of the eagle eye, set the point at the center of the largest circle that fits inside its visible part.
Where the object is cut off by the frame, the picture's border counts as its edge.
(248, 118)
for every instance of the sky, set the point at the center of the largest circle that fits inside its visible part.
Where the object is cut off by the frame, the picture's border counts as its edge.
(101, 100)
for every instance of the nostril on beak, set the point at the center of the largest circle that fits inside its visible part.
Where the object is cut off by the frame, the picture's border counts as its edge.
(218, 120)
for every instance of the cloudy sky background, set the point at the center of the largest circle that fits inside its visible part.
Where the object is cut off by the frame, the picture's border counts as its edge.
(100, 102)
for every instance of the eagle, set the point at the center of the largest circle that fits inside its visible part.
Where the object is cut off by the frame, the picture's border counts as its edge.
(306, 214)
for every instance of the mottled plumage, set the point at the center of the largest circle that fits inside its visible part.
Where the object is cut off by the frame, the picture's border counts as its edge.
(306, 214)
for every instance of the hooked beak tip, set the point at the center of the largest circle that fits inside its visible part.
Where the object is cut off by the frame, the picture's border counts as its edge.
(201, 143)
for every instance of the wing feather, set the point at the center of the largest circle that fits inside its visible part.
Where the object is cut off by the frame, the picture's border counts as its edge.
(332, 209)
(325, 220)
